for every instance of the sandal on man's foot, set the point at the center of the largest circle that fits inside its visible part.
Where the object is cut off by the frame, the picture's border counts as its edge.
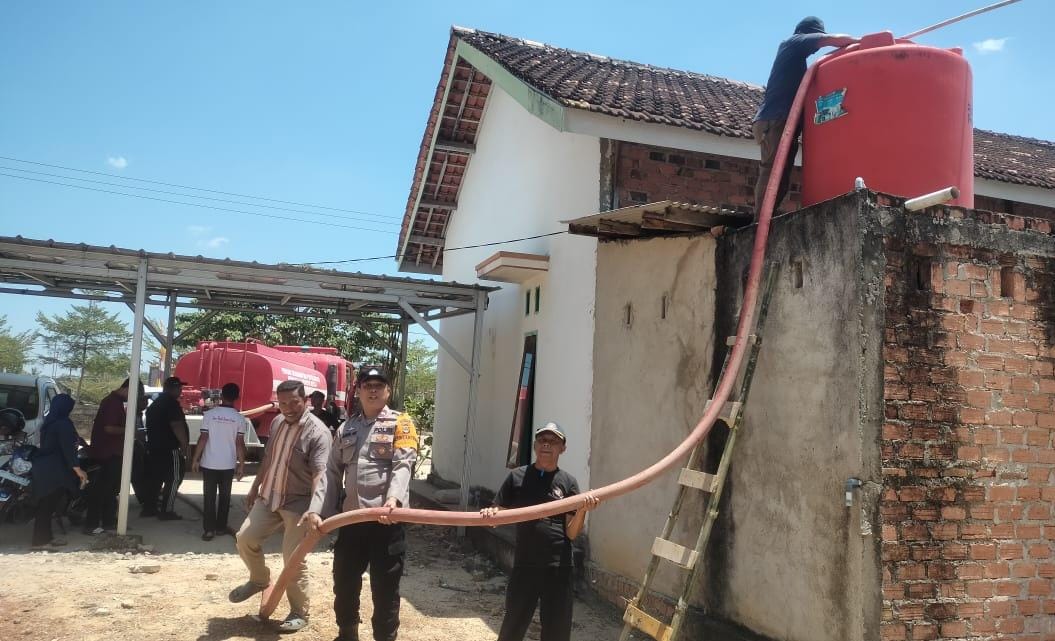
(293, 623)
(207, 536)
(244, 591)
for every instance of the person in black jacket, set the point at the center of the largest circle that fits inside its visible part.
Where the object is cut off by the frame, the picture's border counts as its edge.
(167, 437)
(56, 469)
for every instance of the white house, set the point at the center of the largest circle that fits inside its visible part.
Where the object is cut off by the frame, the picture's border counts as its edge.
(523, 135)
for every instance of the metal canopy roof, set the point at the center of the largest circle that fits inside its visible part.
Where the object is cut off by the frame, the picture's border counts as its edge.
(140, 278)
(662, 218)
(212, 284)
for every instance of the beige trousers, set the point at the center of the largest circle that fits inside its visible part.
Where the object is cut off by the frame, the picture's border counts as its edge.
(261, 523)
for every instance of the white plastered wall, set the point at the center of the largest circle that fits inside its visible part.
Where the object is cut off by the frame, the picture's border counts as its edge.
(522, 180)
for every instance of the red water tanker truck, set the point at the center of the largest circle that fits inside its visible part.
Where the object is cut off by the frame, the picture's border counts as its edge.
(258, 369)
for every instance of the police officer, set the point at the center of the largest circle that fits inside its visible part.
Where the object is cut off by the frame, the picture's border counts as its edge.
(372, 458)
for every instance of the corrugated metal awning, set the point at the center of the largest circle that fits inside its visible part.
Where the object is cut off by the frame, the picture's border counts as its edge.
(663, 218)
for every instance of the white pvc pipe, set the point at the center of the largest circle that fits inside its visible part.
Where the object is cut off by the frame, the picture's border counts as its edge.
(934, 198)
(132, 404)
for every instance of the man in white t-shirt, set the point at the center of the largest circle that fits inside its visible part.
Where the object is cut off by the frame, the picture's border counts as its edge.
(221, 446)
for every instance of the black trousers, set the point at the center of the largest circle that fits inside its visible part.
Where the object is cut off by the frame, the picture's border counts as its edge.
(167, 468)
(550, 588)
(383, 549)
(102, 495)
(216, 482)
(140, 476)
(45, 512)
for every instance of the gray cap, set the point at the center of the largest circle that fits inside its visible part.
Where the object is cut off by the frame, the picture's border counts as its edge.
(553, 428)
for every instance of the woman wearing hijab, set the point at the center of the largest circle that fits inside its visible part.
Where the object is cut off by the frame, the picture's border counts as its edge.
(56, 469)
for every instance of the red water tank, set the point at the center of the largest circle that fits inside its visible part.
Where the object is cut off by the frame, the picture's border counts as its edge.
(892, 112)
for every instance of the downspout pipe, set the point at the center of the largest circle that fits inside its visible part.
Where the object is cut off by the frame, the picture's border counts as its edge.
(273, 594)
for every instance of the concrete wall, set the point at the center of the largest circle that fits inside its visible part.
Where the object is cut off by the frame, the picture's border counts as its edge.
(787, 560)
(790, 560)
(524, 177)
(652, 379)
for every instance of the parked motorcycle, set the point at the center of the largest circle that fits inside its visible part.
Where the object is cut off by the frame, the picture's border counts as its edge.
(16, 465)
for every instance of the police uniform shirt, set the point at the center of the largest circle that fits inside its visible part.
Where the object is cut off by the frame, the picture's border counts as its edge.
(376, 458)
(543, 542)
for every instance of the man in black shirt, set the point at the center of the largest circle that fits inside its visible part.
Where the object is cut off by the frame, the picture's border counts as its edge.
(789, 67)
(542, 562)
(167, 446)
(327, 413)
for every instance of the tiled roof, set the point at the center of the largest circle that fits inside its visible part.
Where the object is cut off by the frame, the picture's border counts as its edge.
(698, 101)
(634, 91)
(625, 89)
(1014, 159)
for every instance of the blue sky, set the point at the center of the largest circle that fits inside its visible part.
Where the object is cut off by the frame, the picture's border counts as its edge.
(325, 103)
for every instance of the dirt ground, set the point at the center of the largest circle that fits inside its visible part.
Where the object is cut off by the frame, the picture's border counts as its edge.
(449, 592)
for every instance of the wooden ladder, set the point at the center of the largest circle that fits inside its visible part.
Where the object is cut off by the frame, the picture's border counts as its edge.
(692, 479)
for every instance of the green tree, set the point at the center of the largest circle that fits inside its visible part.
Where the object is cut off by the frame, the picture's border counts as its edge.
(14, 348)
(86, 340)
(421, 369)
(420, 400)
(352, 340)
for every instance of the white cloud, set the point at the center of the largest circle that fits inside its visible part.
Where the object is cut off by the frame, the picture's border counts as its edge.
(215, 242)
(990, 45)
(198, 230)
(117, 162)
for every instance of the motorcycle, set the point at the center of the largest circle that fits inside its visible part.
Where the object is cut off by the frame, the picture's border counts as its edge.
(16, 465)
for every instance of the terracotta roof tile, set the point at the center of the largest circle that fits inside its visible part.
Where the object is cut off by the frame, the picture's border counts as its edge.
(1014, 159)
(625, 89)
(708, 103)
(629, 90)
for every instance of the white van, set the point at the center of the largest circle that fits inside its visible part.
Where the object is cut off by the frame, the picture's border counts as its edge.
(31, 395)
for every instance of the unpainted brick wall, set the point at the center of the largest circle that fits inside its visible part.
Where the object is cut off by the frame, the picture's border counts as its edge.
(1014, 207)
(968, 537)
(646, 174)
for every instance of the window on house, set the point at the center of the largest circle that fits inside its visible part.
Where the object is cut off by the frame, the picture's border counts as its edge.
(538, 297)
(527, 302)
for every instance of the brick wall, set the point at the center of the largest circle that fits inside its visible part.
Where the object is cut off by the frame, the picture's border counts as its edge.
(968, 538)
(1014, 207)
(647, 174)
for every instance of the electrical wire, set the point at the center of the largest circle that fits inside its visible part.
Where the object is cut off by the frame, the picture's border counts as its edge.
(176, 193)
(212, 191)
(445, 250)
(202, 206)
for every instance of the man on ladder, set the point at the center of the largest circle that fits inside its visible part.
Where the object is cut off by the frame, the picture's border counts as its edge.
(788, 69)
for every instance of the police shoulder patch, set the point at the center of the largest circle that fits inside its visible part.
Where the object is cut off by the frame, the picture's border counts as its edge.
(406, 432)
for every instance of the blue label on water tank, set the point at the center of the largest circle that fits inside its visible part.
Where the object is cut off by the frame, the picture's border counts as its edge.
(830, 106)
